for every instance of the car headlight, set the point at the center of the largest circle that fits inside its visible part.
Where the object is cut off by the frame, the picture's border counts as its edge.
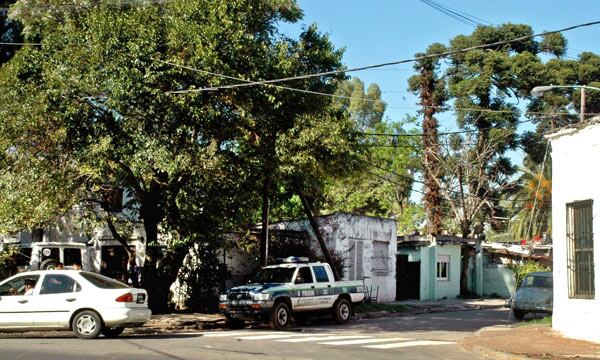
(223, 297)
(261, 297)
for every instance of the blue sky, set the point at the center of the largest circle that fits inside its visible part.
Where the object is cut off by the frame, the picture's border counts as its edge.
(376, 31)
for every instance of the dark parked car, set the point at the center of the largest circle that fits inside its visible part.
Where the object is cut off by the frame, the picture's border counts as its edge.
(534, 295)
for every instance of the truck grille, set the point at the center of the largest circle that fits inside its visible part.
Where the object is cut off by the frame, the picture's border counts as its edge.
(241, 295)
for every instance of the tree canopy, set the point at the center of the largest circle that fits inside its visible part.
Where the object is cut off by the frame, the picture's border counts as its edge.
(92, 110)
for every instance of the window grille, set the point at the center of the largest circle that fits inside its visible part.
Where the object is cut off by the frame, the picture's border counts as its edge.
(380, 259)
(580, 250)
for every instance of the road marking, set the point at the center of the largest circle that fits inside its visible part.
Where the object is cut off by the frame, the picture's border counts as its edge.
(363, 341)
(267, 337)
(323, 338)
(409, 344)
(237, 333)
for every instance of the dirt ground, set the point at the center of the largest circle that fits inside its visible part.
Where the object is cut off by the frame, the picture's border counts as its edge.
(538, 342)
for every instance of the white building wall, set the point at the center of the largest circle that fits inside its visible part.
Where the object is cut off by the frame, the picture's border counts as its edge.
(575, 176)
(353, 237)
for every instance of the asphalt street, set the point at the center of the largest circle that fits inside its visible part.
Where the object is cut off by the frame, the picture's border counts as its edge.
(426, 336)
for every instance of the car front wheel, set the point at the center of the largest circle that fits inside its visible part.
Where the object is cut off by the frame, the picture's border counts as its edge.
(112, 332)
(87, 325)
(280, 317)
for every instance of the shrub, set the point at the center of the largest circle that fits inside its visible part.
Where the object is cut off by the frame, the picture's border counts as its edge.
(527, 267)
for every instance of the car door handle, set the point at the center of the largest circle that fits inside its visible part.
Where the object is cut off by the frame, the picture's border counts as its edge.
(329, 285)
(312, 287)
(22, 301)
(71, 299)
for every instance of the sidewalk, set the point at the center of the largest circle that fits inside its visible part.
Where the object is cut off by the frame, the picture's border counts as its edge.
(454, 304)
(528, 342)
(197, 321)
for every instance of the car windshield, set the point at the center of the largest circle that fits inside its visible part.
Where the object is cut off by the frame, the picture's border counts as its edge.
(275, 275)
(537, 281)
(102, 282)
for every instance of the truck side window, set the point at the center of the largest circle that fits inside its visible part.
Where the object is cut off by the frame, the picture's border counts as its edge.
(321, 274)
(304, 276)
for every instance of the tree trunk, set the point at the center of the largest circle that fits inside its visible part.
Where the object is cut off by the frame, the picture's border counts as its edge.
(153, 277)
(317, 231)
(465, 255)
(264, 236)
(432, 198)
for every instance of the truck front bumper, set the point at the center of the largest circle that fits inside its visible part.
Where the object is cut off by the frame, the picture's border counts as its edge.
(246, 310)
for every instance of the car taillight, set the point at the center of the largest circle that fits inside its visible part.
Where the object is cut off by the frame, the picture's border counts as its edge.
(125, 298)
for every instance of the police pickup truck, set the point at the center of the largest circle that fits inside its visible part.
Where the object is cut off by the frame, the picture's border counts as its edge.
(295, 288)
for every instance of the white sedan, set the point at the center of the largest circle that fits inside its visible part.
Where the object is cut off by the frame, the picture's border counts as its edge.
(87, 303)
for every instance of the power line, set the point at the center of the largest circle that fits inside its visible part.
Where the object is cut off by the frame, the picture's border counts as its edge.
(368, 67)
(444, 133)
(340, 96)
(469, 195)
(455, 14)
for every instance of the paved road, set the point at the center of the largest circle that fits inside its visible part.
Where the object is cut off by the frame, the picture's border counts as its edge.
(430, 336)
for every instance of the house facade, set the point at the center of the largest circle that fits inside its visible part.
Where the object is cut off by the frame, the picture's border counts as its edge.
(96, 251)
(366, 244)
(491, 271)
(575, 226)
(427, 268)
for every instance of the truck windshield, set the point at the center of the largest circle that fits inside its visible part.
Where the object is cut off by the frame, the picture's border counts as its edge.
(274, 275)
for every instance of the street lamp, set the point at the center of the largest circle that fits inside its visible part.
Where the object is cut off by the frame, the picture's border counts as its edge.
(538, 91)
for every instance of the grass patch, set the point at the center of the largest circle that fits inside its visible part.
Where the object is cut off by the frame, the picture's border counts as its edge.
(546, 320)
(370, 307)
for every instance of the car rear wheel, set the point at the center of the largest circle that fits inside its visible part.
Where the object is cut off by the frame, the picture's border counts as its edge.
(112, 332)
(519, 314)
(281, 316)
(342, 309)
(87, 325)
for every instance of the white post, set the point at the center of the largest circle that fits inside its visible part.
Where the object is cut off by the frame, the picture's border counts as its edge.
(582, 109)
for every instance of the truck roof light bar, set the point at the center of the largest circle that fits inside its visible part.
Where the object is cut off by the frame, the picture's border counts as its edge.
(293, 260)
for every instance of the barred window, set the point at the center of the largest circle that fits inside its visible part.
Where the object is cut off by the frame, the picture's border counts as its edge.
(580, 250)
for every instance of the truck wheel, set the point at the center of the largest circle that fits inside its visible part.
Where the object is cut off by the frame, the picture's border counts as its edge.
(519, 314)
(234, 323)
(342, 309)
(280, 317)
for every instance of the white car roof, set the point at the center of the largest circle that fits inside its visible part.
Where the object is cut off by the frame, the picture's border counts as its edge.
(41, 272)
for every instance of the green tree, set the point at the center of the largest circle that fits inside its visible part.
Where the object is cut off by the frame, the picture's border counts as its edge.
(91, 110)
(431, 88)
(383, 184)
(365, 108)
(478, 81)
